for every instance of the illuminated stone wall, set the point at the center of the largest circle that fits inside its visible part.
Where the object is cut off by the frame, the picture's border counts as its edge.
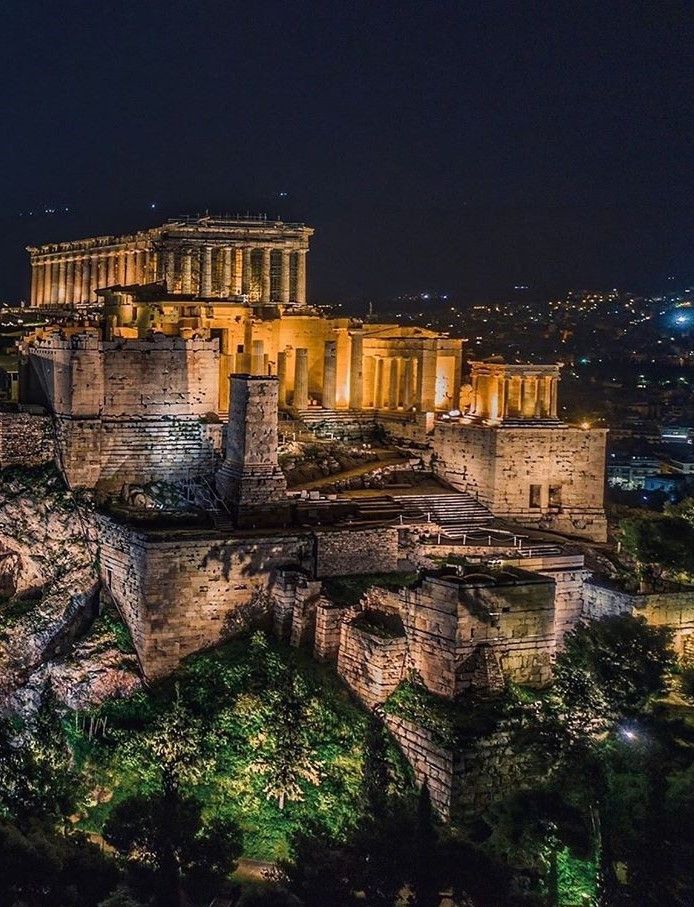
(499, 464)
(674, 609)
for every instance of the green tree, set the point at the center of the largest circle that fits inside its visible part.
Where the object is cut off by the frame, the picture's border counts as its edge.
(285, 756)
(166, 833)
(659, 543)
(37, 774)
(684, 510)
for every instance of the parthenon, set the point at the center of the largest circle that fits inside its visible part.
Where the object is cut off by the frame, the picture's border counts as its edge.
(207, 257)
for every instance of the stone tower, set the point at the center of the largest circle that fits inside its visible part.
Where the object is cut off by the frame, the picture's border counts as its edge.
(250, 480)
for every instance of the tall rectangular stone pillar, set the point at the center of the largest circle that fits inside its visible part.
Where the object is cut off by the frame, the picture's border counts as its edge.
(329, 374)
(378, 383)
(70, 281)
(250, 480)
(237, 257)
(301, 379)
(356, 371)
(394, 384)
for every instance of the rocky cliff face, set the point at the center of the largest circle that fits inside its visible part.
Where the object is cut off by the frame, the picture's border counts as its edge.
(49, 594)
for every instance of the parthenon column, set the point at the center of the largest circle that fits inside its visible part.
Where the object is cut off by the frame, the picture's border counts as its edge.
(246, 271)
(378, 383)
(284, 277)
(329, 373)
(301, 276)
(394, 383)
(111, 269)
(265, 276)
(62, 273)
(356, 371)
(86, 267)
(226, 271)
(301, 379)
(426, 377)
(93, 277)
(141, 260)
(186, 272)
(206, 272)
(70, 281)
(34, 284)
(237, 256)
(282, 378)
(408, 381)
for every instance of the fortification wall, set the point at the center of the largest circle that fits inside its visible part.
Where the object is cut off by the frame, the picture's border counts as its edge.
(431, 763)
(180, 596)
(25, 440)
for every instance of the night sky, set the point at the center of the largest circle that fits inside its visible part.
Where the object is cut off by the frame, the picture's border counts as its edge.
(460, 147)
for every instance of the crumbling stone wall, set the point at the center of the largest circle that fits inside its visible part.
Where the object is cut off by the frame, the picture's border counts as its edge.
(26, 440)
(371, 665)
(499, 465)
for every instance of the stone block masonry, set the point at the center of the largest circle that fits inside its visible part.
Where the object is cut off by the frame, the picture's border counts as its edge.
(547, 477)
(372, 666)
(343, 552)
(26, 440)
(181, 592)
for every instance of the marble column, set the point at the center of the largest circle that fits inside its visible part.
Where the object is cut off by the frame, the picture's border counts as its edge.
(284, 277)
(394, 383)
(141, 266)
(329, 373)
(505, 393)
(153, 265)
(408, 382)
(170, 270)
(111, 269)
(62, 273)
(301, 277)
(187, 272)
(52, 274)
(257, 357)
(93, 277)
(237, 285)
(301, 379)
(266, 276)
(282, 378)
(86, 278)
(246, 270)
(553, 397)
(426, 378)
(378, 384)
(226, 272)
(34, 284)
(537, 410)
(206, 272)
(70, 281)
(356, 371)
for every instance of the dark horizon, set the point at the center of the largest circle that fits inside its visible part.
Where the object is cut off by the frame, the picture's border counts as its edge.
(460, 149)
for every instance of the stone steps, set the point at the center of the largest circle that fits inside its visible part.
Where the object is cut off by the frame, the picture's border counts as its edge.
(456, 512)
